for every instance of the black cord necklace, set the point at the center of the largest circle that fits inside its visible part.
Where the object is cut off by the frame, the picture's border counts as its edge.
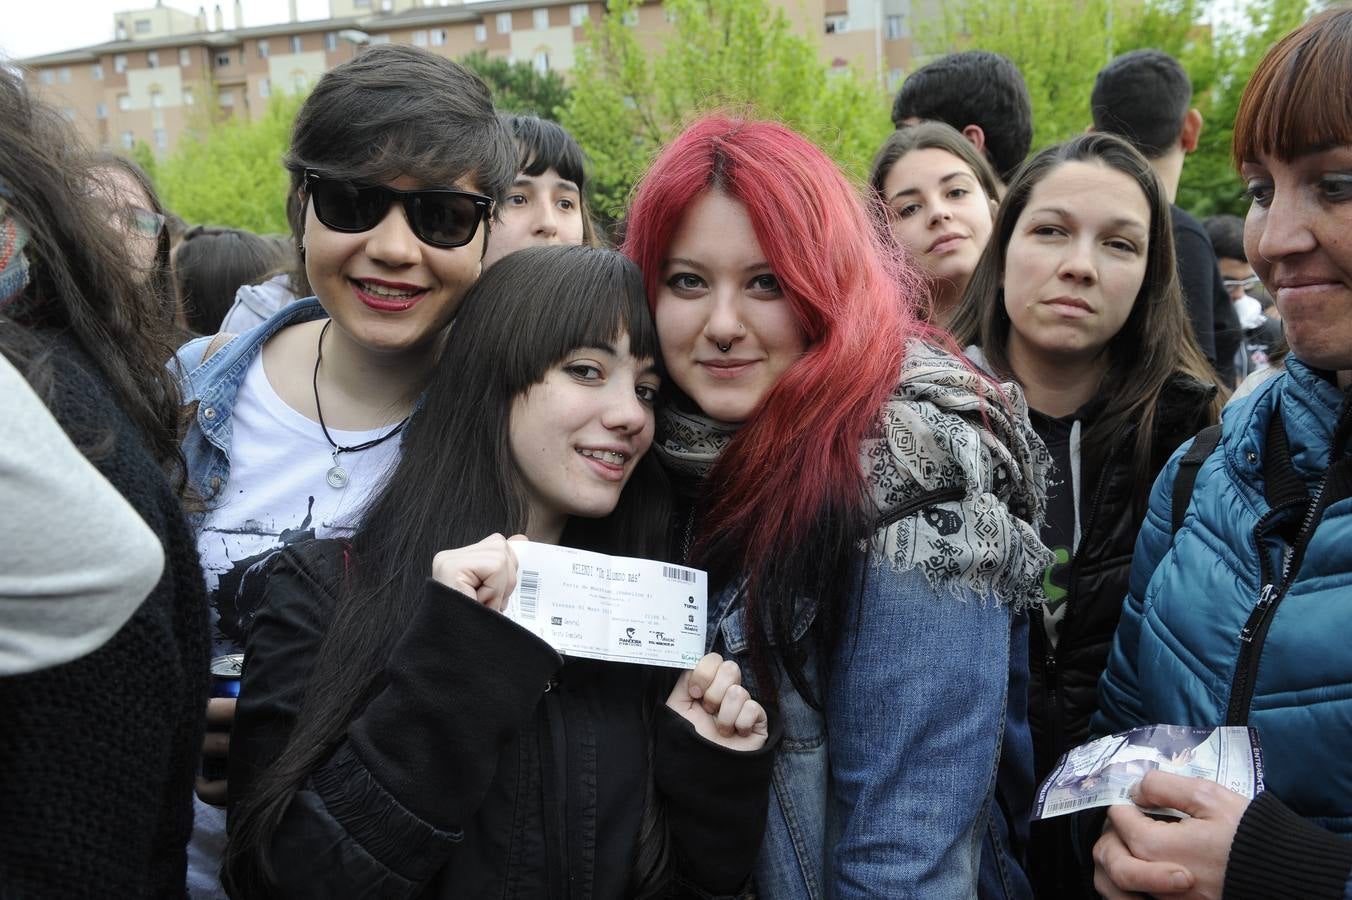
(337, 476)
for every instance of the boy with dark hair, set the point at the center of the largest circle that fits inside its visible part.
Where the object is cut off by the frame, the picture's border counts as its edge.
(1144, 96)
(982, 95)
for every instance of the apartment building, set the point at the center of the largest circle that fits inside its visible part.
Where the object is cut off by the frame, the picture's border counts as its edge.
(167, 69)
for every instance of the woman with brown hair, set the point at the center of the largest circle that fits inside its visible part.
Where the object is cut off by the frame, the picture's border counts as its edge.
(1077, 300)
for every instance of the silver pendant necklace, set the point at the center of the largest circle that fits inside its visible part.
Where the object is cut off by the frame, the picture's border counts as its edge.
(337, 476)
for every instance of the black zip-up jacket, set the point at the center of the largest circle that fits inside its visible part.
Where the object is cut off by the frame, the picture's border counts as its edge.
(485, 766)
(1063, 682)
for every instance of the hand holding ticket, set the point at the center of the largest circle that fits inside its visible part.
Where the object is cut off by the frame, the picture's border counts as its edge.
(1102, 772)
(614, 608)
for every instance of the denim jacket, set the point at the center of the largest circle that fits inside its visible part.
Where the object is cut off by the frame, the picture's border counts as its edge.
(930, 759)
(213, 385)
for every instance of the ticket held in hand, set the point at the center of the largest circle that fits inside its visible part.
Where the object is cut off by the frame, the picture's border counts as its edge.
(614, 608)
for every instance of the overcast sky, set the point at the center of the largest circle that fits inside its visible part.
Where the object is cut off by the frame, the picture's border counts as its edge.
(33, 27)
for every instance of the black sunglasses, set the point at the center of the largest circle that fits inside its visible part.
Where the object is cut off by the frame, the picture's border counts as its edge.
(437, 216)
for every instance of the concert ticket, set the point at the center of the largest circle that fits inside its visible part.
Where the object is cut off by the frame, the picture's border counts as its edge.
(614, 608)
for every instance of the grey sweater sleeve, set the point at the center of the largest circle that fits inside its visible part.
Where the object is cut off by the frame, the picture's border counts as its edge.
(75, 559)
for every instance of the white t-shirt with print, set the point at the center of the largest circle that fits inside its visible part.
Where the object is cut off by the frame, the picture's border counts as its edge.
(277, 494)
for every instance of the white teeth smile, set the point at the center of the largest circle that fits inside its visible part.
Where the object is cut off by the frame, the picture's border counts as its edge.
(607, 456)
(382, 291)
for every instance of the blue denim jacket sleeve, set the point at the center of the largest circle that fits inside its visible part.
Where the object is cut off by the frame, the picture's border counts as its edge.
(1119, 695)
(915, 712)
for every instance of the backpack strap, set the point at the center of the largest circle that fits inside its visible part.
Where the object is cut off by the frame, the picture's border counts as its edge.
(1188, 466)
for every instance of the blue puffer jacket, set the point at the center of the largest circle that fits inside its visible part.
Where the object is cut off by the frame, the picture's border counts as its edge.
(1203, 642)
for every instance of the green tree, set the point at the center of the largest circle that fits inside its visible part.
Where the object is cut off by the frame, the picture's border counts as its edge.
(628, 100)
(230, 172)
(1210, 184)
(517, 87)
(1060, 45)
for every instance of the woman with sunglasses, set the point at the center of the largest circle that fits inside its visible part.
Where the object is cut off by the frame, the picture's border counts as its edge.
(399, 737)
(866, 507)
(396, 160)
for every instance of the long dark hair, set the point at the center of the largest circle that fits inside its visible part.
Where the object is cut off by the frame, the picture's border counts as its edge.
(455, 483)
(1156, 342)
(79, 282)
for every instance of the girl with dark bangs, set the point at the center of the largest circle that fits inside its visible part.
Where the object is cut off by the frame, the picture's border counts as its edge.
(1076, 299)
(398, 737)
(547, 203)
(867, 507)
(1238, 614)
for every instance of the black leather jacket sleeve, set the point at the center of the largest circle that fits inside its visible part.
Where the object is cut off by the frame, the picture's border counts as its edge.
(382, 814)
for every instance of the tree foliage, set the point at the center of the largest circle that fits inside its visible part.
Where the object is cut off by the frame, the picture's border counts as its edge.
(230, 172)
(1060, 45)
(628, 100)
(517, 87)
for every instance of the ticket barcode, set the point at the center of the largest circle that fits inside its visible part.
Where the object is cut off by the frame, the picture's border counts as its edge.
(528, 593)
(676, 573)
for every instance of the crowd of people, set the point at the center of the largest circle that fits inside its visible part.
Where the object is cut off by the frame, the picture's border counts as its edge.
(987, 457)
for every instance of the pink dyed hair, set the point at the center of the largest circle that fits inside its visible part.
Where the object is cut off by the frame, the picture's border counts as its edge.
(851, 293)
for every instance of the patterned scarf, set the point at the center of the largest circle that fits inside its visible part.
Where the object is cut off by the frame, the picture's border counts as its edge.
(945, 427)
(13, 263)
(942, 427)
(689, 443)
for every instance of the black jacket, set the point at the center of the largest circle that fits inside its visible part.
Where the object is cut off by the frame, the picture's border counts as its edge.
(1063, 682)
(485, 766)
(97, 756)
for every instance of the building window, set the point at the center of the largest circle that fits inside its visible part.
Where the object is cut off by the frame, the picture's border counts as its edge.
(893, 28)
(188, 97)
(420, 39)
(264, 88)
(100, 110)
(541, 61)
(123, 102)
(504, 23)
(438, 37)
(630, 18)
(47, 76)
(222, 60)
(295, 43)
(837, 24)
(577, 14)
(120, 63)
(227, 99)
(152, 59)
(143, 26)
(96, 72)
(161, 139)
(379, 39)
(63, 75)
(263, 49)
(128, 140)
(481, 33)
(299, 82)
(331, 41)
(121, 31)
(362, 4)
(156, 99)
(184, 57)
(541, 19)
